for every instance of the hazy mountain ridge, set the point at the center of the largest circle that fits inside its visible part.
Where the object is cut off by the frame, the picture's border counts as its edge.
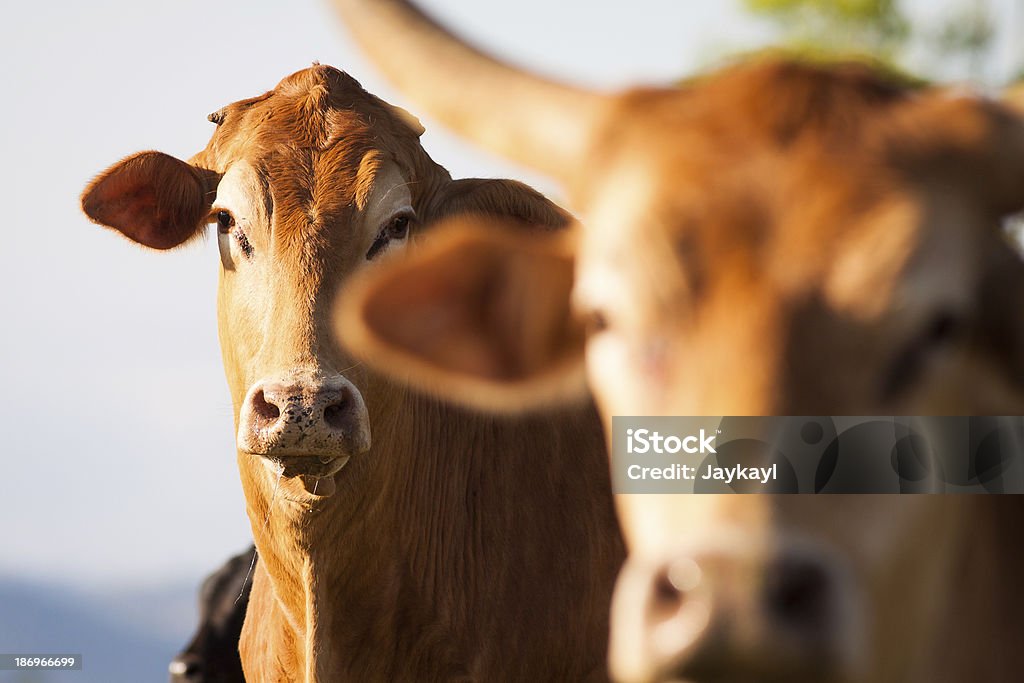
(124, 636)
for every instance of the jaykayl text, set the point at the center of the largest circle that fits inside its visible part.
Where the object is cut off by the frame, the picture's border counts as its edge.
(710, 472)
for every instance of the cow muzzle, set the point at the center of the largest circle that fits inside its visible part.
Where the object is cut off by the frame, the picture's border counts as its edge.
(307, 423)
(728, 615)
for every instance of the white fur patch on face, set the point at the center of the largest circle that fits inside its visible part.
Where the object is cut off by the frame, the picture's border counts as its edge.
(613, 217)
(241, 193)
(605, 278)
(388, 203)
(614, 354)
(612, 288)
(868, 261)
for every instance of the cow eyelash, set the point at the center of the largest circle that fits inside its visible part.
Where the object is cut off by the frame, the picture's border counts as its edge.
(397, 228)
(226, 226)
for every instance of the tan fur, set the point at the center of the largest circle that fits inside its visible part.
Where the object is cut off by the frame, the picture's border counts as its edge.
(460, 546)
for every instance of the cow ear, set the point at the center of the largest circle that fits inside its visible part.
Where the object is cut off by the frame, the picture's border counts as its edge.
(1013, 96)
(406, 117)
(151, 198)
(505, 198)
(477, 316)
(1000, 322)
(968, 142)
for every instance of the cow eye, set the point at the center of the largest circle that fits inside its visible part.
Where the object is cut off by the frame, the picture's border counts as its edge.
(396, 229)
(941, 330)
(226, 225)
(225, 221)
(399, 227)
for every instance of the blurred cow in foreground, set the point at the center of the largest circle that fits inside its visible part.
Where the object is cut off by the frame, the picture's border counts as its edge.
(775, 238)
(400, 538)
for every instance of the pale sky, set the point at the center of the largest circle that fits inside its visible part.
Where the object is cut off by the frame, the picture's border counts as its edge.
(118, 460)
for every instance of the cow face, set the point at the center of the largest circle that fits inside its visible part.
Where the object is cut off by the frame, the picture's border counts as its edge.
(837, 253)
(302, 186)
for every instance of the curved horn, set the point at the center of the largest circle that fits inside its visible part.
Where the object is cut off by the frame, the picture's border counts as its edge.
(537, 122)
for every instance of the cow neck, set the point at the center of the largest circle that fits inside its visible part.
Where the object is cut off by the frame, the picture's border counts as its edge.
(415, 536)
(981, 629)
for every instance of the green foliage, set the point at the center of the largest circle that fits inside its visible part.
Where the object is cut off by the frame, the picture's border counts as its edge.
(874, 26)
(879, 28)
(968, 32)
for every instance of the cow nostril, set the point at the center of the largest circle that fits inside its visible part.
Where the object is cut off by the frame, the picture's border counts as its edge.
(672, 584)
(337, 415)
(666, 596)
(797, 593)
(265, 411)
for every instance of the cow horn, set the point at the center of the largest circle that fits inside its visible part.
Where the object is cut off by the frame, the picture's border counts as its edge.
(534, 121)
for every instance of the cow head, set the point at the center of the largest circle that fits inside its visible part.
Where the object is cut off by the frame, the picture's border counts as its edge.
(840, 252)
(302, 186)
(778, 238)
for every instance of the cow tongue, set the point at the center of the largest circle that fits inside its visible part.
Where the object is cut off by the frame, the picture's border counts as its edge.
(319, 486)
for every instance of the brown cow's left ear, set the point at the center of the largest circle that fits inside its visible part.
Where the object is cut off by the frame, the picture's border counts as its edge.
(969, 142)
(1013, 97)
(1005, 157)
(502, 198)
(151, 198)
(476, 316)
(1000, 321)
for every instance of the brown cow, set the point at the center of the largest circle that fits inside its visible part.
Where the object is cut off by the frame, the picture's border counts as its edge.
(776, 238)
(447, 546)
